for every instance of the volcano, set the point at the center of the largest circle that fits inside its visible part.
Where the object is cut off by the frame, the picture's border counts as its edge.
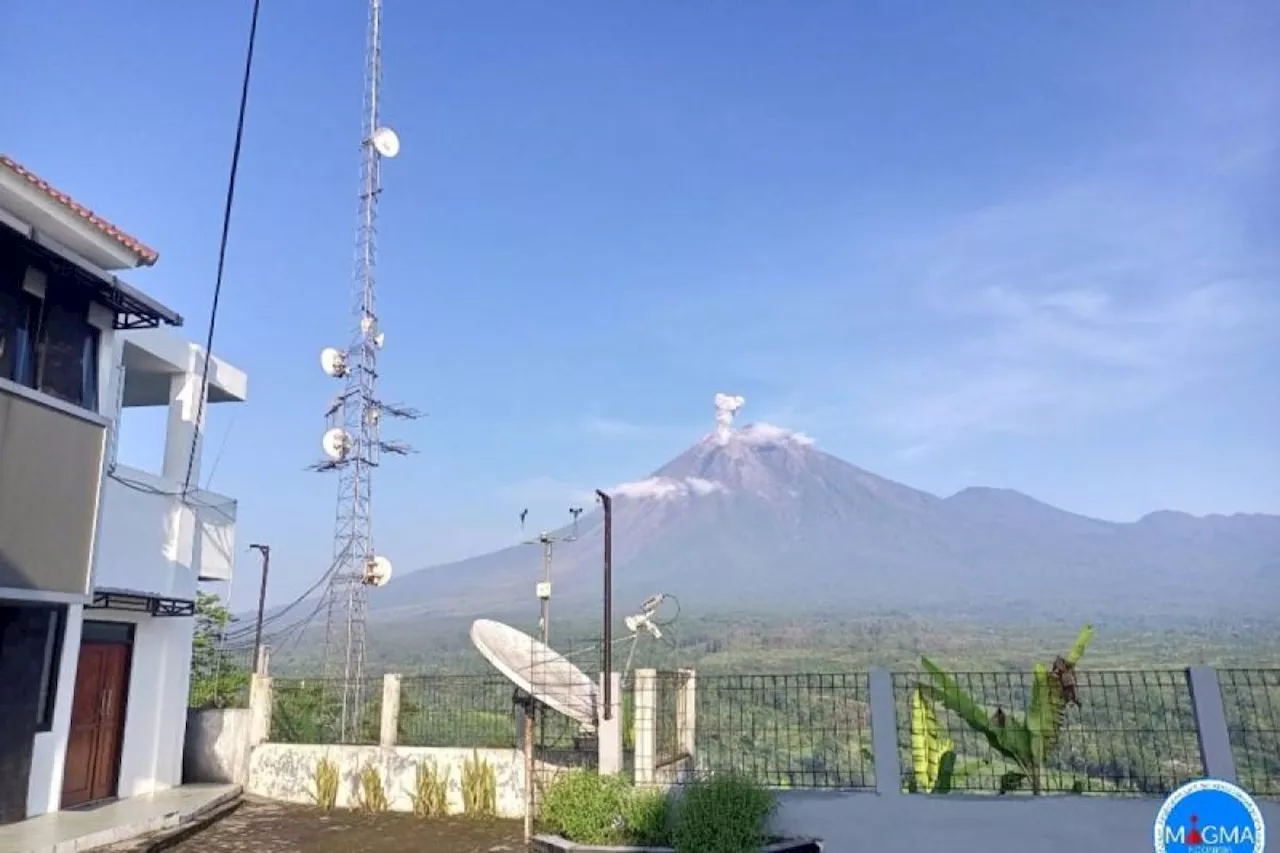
(759, 518)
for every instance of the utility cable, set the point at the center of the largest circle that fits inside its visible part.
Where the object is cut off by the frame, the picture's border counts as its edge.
(222, 245)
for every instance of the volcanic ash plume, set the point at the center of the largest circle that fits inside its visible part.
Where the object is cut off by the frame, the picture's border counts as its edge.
(726, 407)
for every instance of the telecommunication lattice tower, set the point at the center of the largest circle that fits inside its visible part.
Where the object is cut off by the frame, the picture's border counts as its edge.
(353, 443)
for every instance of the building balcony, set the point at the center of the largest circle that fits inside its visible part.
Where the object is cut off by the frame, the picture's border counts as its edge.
(51, 462)
(154, 542)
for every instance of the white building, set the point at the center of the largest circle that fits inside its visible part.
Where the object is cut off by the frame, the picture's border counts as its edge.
(98, 562)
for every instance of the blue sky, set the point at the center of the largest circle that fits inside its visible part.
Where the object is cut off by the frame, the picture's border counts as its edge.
(1023, 245)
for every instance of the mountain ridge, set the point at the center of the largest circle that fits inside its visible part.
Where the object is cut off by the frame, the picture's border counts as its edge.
(762, 517)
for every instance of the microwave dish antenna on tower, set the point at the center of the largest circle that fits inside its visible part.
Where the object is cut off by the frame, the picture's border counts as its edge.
(336, 443)
(386, 142)
(377, 572)
(333, 362)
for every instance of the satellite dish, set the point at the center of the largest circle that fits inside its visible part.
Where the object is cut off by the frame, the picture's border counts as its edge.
(366, 324)
(379, 339)
(543, 673)
(336, 443)
(333, 361)
(377, 571)
(385, 142)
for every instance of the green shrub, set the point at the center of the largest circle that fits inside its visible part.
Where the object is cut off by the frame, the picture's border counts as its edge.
(722, 814)
(646, 817)
(587, 808)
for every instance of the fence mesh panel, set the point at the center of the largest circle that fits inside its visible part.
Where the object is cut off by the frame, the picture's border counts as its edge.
(1251, 698)
(220, 677)
(458, 711)
(1131, 733)
(309, 710)
(786, 731)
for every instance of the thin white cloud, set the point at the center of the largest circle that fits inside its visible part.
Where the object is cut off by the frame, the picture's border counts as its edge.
(1088, 303)
(763, 433)
(668, 488)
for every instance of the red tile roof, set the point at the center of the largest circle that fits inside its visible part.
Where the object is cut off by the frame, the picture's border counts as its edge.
(145, 254)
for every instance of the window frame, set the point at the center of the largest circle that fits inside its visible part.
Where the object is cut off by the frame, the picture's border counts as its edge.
(47, 701)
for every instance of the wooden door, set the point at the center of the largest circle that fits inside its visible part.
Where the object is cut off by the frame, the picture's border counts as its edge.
(97, 724)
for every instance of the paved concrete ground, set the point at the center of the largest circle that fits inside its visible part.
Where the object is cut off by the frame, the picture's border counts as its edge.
(263, 826)
(89, 828)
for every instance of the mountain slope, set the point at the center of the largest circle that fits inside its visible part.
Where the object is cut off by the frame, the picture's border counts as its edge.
(761, 518)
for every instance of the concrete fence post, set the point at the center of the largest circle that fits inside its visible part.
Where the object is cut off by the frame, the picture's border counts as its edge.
(390, 724)
(645, 687)
(1211, 723)
(259, 709)
(884, 733)
(687, 723)
(609, 733)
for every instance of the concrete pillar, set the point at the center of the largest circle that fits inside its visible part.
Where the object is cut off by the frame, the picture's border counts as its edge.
(259, 710)
(687, 723)
(182, 430)
(1211, 723)
(264, 660)
(884, 733)
(390, 710)
(645, 686)
(609, 732)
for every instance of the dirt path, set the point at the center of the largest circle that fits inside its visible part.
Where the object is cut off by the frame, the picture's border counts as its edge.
(262, 826)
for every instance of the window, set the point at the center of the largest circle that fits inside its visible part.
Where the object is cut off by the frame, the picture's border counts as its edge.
(66, 364)
(52, 660)
(15, 311)
(30, 656)
(48, 344)
(106, 632)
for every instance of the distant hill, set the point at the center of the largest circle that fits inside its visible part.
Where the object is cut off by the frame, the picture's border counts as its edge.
(760, 518)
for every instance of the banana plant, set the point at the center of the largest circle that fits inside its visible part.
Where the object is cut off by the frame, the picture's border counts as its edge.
(933, 757)
(1028, 743)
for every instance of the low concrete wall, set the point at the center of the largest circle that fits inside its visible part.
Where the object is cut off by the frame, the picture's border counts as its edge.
(286, 772)
(852, 823)
(216, 748)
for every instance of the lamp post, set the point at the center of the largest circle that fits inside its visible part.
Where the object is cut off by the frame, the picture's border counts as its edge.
(265, 551)
(606, 503)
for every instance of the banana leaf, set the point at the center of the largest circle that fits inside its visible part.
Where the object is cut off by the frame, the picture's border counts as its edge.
(929, 745)
(1081, 643)
(1012, 740)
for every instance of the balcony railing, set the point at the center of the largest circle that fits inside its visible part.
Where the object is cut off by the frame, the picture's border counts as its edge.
(51, 458)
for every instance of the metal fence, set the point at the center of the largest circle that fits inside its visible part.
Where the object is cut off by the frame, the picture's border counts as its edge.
(1126, 733)
(457, 711)
(220, 678)
(787, 731)
(1251, 699)
(309, 710)
(1122, 733)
